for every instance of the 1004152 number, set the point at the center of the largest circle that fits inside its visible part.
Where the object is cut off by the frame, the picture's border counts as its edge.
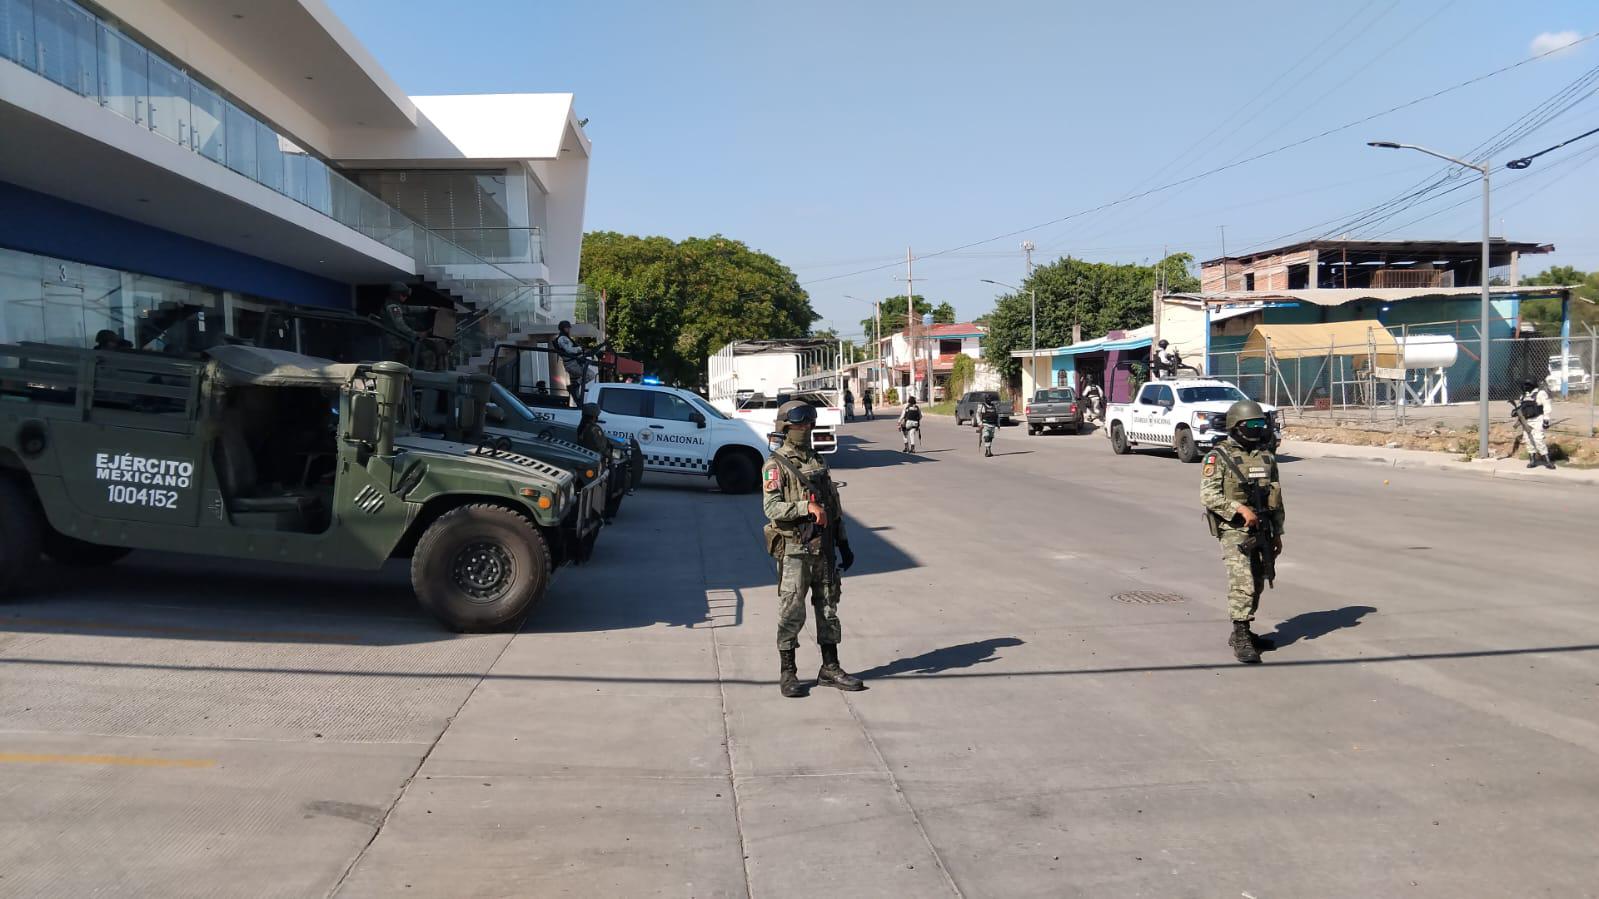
(141, 496)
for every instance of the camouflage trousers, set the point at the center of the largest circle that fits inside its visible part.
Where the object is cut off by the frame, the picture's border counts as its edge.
(1537, 442)
(1245, 576)
(797, 576)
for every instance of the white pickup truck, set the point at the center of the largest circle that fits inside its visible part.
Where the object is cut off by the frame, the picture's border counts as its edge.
(678, 431)
(1185, 414)
(760, 412)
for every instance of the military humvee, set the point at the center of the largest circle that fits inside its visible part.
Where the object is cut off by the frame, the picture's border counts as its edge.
(265, 454)
(454, 405)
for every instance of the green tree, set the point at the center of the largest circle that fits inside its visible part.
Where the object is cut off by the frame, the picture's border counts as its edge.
(671, 304)
(1099, 296)
(1545, 314)
(962, 373)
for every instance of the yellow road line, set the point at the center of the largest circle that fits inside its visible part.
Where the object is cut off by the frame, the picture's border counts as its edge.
(50, 758)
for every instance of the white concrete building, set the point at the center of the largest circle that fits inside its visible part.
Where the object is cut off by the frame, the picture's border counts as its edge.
(906, 358)
(230, 156)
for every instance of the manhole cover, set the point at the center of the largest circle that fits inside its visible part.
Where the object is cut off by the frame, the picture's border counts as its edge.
(1145, 597)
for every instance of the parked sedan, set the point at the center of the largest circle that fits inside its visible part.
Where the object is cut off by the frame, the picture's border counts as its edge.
(1054, 408)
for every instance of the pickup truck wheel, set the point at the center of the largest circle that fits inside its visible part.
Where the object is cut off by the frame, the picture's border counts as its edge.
(21, 530)
(1118, 439)
(480, 568)
(737, 472)
(80, 553)
(1186, 450)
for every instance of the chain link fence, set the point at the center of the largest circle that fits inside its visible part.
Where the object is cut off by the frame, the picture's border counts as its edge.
(1435, 384)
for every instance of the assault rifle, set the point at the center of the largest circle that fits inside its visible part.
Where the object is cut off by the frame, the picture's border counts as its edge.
(1263, 537)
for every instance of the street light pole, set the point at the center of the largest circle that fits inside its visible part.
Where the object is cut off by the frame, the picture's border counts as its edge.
(1482, 365)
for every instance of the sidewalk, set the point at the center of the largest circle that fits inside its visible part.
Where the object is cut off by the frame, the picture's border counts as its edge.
(1515, 469)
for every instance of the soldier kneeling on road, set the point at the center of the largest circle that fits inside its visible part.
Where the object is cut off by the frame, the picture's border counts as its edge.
(805, 529)
(1243, 500)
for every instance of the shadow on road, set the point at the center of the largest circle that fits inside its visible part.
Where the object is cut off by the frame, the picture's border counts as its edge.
(1311, 625)
(853, 455)
(168, 596)
(963, 655)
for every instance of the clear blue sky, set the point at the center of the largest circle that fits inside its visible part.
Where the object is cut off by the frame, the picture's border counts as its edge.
(835, 134)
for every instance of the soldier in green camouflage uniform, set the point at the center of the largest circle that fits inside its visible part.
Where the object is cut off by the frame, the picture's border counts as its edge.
(806, 528)
(1226, 500)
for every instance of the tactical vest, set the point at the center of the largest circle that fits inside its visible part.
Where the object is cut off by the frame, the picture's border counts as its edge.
(1254, 467)
(800, 483)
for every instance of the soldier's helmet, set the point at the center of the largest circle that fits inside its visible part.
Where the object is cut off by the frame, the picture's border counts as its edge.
(1163, 344)
(563, 327)
(591, 413)
(795, 412)
(1246, 423)
(1529, 385)
(399, 288)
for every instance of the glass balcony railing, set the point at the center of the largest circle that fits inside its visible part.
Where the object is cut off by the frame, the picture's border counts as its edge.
(68, 44)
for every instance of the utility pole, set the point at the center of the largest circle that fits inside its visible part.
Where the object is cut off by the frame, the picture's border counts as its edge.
(1032, 361)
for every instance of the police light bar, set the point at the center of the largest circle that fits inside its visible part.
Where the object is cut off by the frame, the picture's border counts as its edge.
(652, 381)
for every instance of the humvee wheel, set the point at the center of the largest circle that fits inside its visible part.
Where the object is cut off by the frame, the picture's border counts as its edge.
(21, 528)
(480, 568)
(81, 553)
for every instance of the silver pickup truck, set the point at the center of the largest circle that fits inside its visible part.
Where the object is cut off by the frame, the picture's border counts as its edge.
(972, 403)
(1054, 408)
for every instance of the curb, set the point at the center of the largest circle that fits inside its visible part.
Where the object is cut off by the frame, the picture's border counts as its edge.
(1423, 459)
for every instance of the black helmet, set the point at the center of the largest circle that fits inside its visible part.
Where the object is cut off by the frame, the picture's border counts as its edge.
(563, 327)
(590, 412)
(795, 412)
(399, 287)
(1528, 384)
(1163, 344)
(1247, 424)
(910, 401)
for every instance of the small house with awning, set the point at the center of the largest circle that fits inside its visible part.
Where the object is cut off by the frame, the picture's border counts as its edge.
(1101, 359)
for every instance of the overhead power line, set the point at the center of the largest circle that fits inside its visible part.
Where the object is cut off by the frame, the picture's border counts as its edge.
(1232, 165)
(1525, 161)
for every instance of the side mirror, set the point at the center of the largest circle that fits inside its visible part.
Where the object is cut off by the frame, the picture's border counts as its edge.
(362, 427)
(698, 418)
(1167, 404)
(494, 413)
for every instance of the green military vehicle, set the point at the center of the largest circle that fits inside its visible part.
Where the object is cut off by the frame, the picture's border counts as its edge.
(454, 405)
(254, 453)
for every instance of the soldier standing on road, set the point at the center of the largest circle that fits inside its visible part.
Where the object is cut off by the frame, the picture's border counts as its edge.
(1535, 404)
(849, 405)
(1232, 469)
(866, 402)
(806, 528)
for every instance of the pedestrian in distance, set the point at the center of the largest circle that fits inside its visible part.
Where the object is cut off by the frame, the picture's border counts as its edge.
(805, 534)
(910, 426)
(1532, 412)
(849, 405)
(866, 403)
(1243, 500)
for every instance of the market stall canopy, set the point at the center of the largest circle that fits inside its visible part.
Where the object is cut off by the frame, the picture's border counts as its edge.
(1359, 339)
(242, 366)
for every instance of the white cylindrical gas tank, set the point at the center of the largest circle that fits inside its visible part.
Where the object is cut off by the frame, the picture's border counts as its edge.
(1428, 350)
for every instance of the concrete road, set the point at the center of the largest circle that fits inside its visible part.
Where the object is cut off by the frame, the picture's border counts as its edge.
(1428, 726)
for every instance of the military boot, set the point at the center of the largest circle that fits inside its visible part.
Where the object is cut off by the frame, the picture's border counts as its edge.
(1534, 460)
(788, 676)
(1243, 649)
(1549, 462)
(833, 674)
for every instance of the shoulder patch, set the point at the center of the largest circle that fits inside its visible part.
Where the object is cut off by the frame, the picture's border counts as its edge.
(774, 478)
(1210, 465)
